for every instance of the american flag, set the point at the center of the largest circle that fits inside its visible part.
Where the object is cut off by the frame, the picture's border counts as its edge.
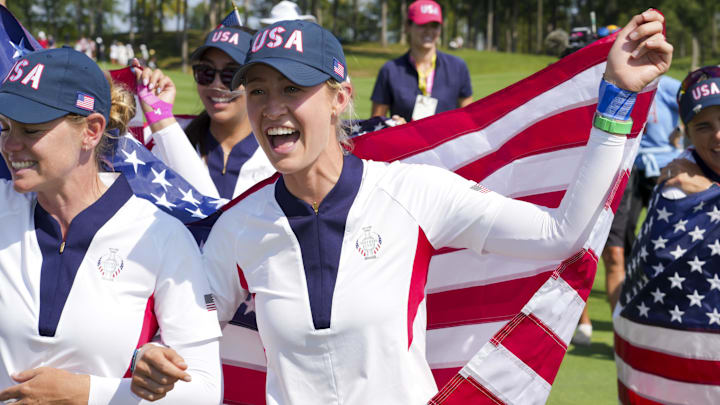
(210, 302)
(232, 19)
(667, 331)
(498, 327)
(338, 68)
(85, 101)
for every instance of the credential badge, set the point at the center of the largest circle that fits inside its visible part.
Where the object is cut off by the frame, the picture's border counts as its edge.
(368, 244)
(110, 265)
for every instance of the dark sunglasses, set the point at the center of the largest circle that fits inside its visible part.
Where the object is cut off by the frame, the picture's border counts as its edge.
(704, 73)
(205, 74)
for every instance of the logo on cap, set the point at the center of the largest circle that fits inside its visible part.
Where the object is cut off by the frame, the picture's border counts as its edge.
(85, 101)
(429, 9)
(294, 40)
(704, 90)
(34, 75)
(226, 36)
(338, 68)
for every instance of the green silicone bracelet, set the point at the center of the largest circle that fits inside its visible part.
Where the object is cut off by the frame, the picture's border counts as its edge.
(612, 126)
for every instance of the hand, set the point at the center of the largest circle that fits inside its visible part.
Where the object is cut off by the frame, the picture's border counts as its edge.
(685, 175)
(48, 385)
(161, 87)
(156, 371)
(640, 52)
(398, 119)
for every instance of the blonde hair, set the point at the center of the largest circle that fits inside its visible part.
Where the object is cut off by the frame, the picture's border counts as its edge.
(122, 109)
(343, 129)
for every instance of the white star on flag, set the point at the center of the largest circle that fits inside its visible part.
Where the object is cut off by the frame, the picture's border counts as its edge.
(355, 128)
(696, 265)
(162, 201)
(676, 314)
(658, 296)
(714, 215)
(697, 234)
(378, 127)
(643, 309)
(680, 225)
(678, 252)
(249, 304)
(160, 179)
(133, 159)
(220, 202)
(715, 247)
(699, 207)
(664, 215)
(676, 281)
(695, 298)
(20, 50)
(197, 213)
(714, 282)
(188, 197)
(659, 243)
(659, 268)
(714, 316)
(643, 253)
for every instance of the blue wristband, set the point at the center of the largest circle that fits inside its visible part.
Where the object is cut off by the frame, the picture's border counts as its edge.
(614, 102)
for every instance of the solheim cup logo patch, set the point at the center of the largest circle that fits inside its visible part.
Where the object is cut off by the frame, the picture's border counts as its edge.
(110, 265)
(368, 244)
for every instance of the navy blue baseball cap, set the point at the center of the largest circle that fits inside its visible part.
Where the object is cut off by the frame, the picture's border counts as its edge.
(49, 84)
(233, 41)
(703, 94)
(304, 52)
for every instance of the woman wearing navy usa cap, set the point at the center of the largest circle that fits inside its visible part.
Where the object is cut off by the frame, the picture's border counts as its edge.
(88, 272)
(335, 249)
(222, 158)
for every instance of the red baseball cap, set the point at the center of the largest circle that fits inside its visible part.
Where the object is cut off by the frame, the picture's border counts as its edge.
(424, 11)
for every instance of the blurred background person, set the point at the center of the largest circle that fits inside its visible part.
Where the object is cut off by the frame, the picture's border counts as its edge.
(424, 81)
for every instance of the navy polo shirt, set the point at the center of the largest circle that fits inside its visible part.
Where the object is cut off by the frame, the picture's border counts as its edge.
(397, 84)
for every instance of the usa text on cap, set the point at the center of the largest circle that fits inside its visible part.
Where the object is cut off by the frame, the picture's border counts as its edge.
(424, 11)
(234, 42)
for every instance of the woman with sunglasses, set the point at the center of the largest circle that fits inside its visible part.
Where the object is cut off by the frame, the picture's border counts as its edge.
(88, 271)
(669, 304)
(222, 158)
(334, 248)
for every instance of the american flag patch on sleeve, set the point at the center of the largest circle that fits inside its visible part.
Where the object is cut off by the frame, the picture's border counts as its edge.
(210, 302)
(85, 101)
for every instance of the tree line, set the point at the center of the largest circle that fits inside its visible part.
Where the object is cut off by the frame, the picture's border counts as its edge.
(501, 25)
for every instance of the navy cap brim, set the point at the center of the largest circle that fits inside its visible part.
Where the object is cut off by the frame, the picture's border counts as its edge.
(27, 111)
(298, 73)
(201, 50)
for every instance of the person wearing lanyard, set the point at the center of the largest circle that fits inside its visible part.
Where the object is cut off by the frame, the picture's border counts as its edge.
(424, 81)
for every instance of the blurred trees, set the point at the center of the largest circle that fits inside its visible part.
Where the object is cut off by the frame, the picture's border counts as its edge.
(503, 25)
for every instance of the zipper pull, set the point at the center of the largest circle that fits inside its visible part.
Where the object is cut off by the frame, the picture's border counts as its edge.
(62, 247)
(315, 206)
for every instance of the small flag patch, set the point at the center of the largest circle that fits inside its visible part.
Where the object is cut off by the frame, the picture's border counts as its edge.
(210, 302)
(85, 101)
(338, 68)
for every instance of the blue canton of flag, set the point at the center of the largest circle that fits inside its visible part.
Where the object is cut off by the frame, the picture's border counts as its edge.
(232, 19)
(152, 180)
(673, 278)
(15, 42)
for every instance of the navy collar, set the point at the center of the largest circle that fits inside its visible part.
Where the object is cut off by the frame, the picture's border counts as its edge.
(239, 155)
(707, 171)
(59, 268)
(340, 196)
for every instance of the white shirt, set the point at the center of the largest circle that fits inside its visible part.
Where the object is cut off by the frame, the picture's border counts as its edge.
(355, 334)
(125, 270)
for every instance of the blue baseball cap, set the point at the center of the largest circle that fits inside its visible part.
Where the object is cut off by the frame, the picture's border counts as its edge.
(304, 52)
(49, 84)
(699, 96)
(233, 41)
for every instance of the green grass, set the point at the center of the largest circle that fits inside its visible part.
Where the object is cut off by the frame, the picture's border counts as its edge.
(587, 374)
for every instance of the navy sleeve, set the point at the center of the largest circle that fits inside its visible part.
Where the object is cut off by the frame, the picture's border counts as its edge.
(4, 171)
(464, 74)
(382, 93)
